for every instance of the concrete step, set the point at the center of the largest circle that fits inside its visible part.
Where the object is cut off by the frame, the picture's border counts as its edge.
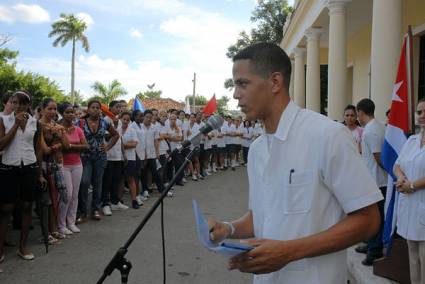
(360, 274)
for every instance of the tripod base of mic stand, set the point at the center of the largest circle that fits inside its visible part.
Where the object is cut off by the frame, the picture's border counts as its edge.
(124, 266)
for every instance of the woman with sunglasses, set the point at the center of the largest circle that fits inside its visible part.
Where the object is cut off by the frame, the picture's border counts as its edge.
(410, 172)
(20, 169)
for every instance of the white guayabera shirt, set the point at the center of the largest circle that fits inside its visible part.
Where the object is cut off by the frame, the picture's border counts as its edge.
(307, 181)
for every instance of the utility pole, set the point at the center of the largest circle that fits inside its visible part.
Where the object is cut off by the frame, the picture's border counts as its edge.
(194, 92)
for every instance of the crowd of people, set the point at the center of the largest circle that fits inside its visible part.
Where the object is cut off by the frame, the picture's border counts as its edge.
(60, 153)
(369, 134)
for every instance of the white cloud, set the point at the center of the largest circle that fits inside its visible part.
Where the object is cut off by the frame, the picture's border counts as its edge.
(135, 33)
(86, 18)
(24, 13)
(174, 83)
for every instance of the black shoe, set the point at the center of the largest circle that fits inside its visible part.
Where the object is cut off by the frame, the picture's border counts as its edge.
(361, 249)
(135, 205)
(233, 168)
(179, 183)
(370, 259)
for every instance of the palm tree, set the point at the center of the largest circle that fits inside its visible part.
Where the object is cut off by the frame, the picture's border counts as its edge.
(70, 28)
(109, 93)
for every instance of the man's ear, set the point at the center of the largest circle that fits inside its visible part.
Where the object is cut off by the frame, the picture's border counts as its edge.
(277, 81)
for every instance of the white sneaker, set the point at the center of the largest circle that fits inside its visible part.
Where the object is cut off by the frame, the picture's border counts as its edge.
(139, 199)
(119, 206)
(146, 194)
(194, 178)
(184, 180)
(74, 229)
(208, 172)
(106, 210)
(170, 193)
(65, 231)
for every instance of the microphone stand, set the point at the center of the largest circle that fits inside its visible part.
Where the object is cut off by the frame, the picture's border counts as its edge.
(119, 261)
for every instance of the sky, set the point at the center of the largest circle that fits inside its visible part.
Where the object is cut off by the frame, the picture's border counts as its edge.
(137, 42)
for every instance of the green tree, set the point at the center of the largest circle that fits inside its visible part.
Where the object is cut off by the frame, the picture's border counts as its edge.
(270, 16)
(38, 86)
(70, 29)
(77, 98)
(109, 93)
(228, 84)
(150, 93)
(222, 104)
(199, 100)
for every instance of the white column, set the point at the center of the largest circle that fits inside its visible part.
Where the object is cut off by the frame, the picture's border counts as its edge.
(337, 69)
(299, 77)
(313, 69)
(291, 84)
(385, 53)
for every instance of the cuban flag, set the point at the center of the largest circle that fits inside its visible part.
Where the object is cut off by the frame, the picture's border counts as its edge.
(137, 105)
(395, 137)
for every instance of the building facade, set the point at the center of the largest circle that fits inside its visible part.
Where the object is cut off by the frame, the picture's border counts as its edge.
(346, 50)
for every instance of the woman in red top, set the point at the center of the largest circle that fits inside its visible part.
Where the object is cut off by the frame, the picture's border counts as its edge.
(72, 170)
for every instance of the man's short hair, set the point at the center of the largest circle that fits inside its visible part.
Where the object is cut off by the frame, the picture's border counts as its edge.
(148, 111)
(267, 58)
(367, 106)
(113, 103)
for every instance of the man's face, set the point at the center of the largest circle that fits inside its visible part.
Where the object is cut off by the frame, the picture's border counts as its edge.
(116, 109)
(147, 119)
(198, 118)
(361, 117)
(252, 91)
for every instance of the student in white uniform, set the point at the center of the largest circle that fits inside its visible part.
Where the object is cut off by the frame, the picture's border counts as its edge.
(247, 139)
(310, 195)
(371, 145)
(152, 152)
(410, 172)
(238, 139)
(137, 125)
(129, 142)
(174, 137)
(225, 131)
(113, 177)
(22, 140)
(221, 148)
(193, 129)
(164, 148)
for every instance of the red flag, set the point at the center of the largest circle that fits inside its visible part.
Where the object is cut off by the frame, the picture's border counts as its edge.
(106, 111)
(399, 114)
(211, 106)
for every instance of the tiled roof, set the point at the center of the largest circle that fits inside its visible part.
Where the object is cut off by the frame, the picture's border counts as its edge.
(160, 104)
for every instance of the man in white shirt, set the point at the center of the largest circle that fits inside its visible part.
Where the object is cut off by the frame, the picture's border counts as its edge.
(371, 145)
(152, 151)
(113, 178)
(310, 195)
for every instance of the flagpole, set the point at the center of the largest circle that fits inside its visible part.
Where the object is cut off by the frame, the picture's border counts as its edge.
(410, 88)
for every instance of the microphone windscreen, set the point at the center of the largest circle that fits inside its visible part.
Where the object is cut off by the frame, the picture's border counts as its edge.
(216, 121)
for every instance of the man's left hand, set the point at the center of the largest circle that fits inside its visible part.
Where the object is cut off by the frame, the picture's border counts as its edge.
(267, 256)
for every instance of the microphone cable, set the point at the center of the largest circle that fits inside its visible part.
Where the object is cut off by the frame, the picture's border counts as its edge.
(164, 269)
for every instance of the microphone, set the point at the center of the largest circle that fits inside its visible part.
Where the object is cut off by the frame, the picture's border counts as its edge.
(214, 122)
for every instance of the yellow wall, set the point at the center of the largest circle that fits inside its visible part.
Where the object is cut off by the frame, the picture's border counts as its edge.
(358, 55)
(413, 13)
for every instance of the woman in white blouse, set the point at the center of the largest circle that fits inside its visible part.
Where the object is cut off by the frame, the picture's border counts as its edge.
(410, 172)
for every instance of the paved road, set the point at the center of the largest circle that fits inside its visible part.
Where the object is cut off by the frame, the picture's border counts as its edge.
(82, 258)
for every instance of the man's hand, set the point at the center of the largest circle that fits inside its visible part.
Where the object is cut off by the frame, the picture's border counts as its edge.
(219, 231)
(42, 183)
(267, 256)
(404, 187)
